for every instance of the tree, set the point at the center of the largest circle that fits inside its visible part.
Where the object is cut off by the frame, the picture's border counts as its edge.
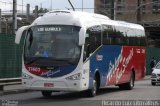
(41, 10)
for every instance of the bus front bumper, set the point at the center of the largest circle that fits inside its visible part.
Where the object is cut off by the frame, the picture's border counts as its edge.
(75, 85)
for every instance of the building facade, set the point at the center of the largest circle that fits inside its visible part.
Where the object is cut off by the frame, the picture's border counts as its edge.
(141, 11)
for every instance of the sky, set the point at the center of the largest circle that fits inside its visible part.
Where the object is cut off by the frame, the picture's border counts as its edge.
(6, 5)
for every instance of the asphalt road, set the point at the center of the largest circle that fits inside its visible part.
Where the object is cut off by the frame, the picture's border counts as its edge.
(142, 91)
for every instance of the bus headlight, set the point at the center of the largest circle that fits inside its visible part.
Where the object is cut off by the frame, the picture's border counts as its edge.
(26, 76)
(74, 77)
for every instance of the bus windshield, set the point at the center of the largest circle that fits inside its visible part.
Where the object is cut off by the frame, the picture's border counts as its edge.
(50, 45)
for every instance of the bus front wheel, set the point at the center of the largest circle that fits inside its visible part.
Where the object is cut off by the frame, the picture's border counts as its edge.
(46, 93)
(92, 92)
(130, 84)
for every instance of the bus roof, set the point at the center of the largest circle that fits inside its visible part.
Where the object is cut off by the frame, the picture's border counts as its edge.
(78, 18)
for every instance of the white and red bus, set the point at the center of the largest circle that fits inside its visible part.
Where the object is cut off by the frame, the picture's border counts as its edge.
(78, 51)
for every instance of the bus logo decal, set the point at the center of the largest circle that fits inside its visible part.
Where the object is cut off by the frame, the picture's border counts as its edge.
(34, 69)
(117, 69)
(99, 57)
(138, 50)
(50, 73)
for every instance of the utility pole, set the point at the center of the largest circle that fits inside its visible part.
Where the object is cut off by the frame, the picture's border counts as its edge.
(14, 16)
(28, 12)
(138, 11)
(0, 22)
(36, 11)
(82, 5)
(112, 9)
(41, 5)
(22, 7)
(51, 5)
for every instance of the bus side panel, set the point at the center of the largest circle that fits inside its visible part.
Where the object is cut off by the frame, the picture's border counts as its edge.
(103, 61)
(132, 58)
(140, 62)
(115, 63)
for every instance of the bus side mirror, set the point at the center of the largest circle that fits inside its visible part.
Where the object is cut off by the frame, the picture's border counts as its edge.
(82, 34)
(86, 53)
(88, 50)
(19, 34)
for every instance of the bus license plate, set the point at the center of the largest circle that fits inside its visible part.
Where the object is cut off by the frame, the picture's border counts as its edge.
(48, 85)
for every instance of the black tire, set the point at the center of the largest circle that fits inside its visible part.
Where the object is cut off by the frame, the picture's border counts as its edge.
(122, 86)
(153, 83)
(92, 92)
(46, 93)
(129, 85)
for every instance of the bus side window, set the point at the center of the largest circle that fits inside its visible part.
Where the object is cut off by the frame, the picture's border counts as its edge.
(106, 39)
(111, 36)
(94, 38)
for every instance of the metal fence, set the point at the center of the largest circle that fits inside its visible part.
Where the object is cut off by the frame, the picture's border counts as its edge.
(150, 53)
(10, 57)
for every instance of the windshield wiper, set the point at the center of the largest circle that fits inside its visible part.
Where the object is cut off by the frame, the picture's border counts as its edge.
(34, 60)
(66, 61)
(70, 62)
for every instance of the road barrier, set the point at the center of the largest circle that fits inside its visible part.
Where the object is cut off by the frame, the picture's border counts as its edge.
(10, 60)
(150, 53)
(9, 81)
